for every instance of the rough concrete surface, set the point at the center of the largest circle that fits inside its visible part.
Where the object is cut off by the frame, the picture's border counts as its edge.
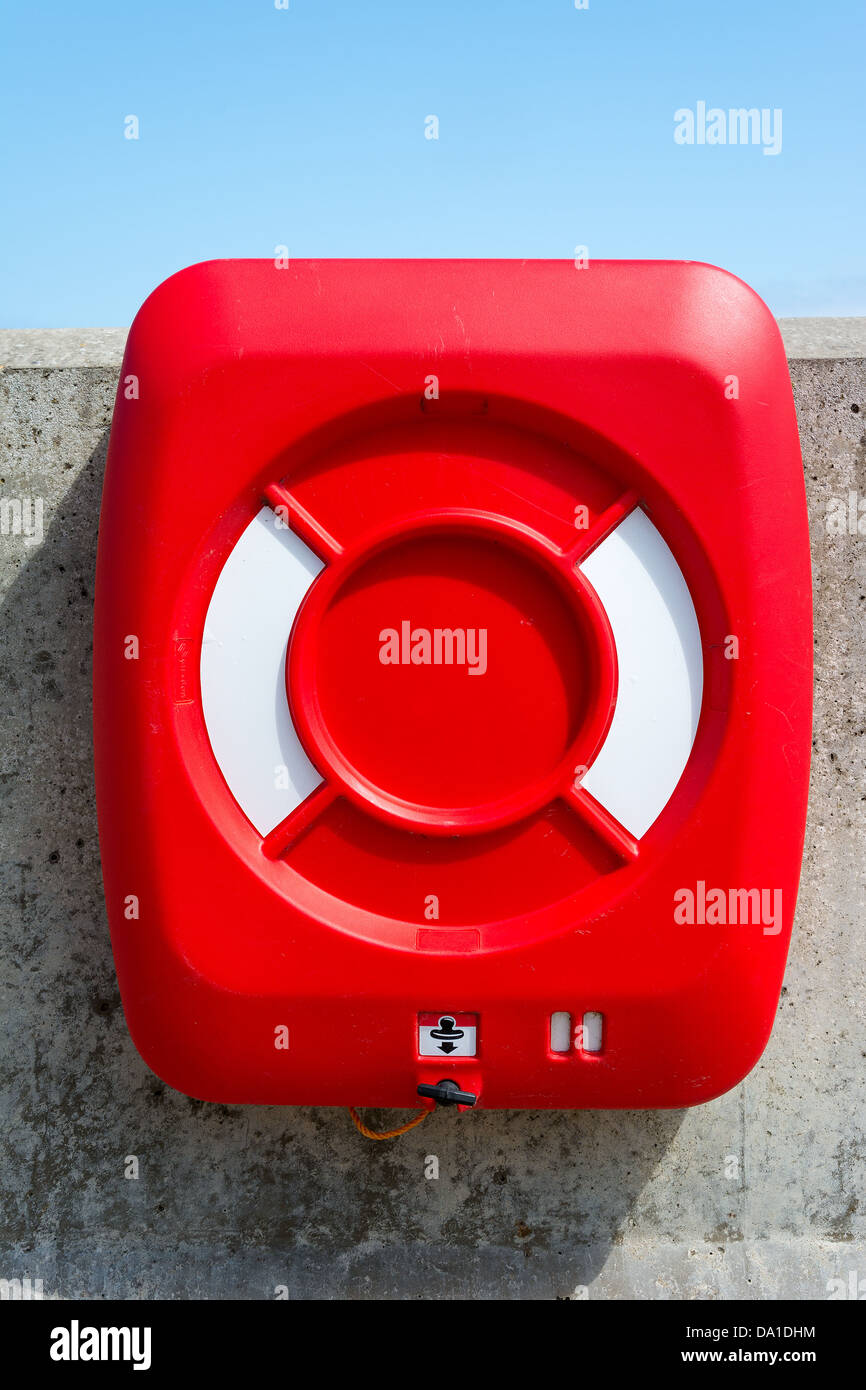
(103, 347)
(759, 1194)
(824, 337)
(62, 347)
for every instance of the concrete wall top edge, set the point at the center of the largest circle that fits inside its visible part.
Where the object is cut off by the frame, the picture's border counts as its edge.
(103, 347)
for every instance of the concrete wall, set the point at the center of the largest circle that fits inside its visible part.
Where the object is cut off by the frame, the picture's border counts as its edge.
(759, 1194)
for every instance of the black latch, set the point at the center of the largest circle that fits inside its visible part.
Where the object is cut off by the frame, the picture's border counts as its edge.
(447, 1093)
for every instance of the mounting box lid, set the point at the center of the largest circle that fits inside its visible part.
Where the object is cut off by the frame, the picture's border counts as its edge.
(452, 663)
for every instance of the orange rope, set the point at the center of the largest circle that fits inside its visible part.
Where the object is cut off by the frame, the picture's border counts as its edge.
(386, 1133)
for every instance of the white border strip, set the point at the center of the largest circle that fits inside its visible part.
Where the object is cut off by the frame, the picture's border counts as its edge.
(243, 685)
(661, 673)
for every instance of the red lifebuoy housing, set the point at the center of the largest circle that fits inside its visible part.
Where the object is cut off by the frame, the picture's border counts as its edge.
(452, 681)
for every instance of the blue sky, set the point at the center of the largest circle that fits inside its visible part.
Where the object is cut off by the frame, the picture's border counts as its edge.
(305, 127)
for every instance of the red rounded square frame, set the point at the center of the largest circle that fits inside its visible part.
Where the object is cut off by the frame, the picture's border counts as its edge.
(623, 384)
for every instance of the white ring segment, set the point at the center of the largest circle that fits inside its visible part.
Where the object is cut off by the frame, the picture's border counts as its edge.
(243, 671)
(661, 673)
(640, 585)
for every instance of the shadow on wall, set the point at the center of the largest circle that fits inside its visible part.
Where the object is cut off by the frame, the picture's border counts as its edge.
(228, 1202)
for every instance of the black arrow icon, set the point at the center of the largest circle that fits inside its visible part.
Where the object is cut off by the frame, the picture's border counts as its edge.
(448, 1033)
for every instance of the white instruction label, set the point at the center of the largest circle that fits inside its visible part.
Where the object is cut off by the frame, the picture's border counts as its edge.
(447, 1035)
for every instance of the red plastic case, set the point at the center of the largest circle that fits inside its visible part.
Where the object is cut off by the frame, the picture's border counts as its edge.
(532, 542)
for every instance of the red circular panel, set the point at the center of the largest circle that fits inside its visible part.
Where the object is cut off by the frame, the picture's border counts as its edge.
(450, 679)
